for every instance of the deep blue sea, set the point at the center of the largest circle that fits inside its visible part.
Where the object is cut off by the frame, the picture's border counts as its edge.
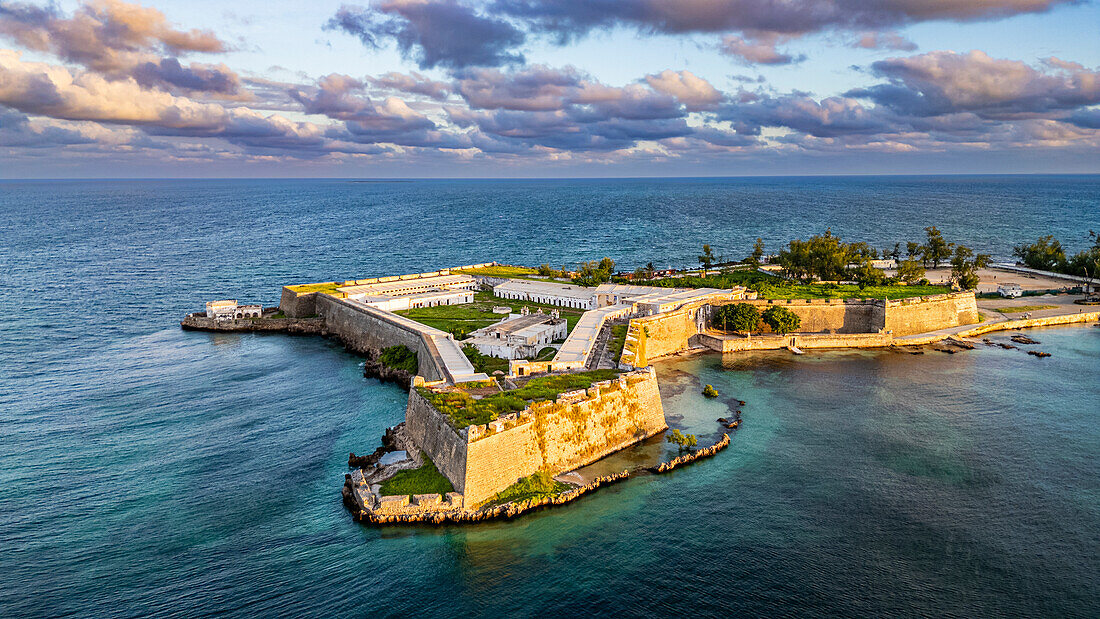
(149, 471)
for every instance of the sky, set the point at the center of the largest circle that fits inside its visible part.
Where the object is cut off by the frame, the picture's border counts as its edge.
(547, 88)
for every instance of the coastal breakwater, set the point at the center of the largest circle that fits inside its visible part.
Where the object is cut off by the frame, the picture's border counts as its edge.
(1025, 323)
(576, 429)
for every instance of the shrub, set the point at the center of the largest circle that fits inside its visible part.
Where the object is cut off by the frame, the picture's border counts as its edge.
(781, 320)
(710, 392)
(399, 357)
(739, 317)
(681, 440)
(536, 485)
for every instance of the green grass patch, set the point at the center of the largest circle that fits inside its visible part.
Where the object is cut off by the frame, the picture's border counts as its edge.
(460, 320)
(399, 357)
(1019, 309)
(535, 486)
(618, 341)
(546, 354)
(772, 287)
(485, 363)
(425, 480)
(464, 410)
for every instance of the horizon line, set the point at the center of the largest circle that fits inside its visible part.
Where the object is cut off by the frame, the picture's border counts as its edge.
(537, 178)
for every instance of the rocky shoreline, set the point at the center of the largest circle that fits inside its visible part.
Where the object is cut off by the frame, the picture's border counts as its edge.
(515, 509)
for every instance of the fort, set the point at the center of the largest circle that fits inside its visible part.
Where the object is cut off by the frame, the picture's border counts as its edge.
(480, 437)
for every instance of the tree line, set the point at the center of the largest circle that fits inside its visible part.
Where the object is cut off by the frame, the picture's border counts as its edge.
(1047, 254)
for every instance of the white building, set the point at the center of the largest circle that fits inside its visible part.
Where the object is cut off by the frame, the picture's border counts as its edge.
(408, 292)
(550, 293)
(228, 309)
(520, 336)
(1010, 290)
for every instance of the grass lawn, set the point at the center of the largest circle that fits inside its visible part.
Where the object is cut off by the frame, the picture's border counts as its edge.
(424, 480)
(464, 410)
(618, 341)
(1019, 309)
(514, 272)
(460, 320)
(534, 486)
(772, 287)
(485, 363)
(546, 354)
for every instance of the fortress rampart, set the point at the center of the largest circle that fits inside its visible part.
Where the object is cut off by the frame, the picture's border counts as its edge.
(578, 428)
(652, 337)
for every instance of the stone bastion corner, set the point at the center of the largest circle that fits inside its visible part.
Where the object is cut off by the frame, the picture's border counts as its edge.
(576, 429)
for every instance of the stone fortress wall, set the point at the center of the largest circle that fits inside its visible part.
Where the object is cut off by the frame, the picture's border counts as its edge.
(578, 428)
(826, 323)
(364, 329)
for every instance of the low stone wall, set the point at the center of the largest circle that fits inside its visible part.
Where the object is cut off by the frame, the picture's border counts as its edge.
(1024, 323)
(303, 326)
(802, 341)
(826, 323)
(688, 458)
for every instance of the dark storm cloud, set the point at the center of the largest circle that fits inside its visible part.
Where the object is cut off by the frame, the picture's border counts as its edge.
(440, 33)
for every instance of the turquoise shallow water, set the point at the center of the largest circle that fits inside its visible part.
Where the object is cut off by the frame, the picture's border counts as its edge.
(145, 470)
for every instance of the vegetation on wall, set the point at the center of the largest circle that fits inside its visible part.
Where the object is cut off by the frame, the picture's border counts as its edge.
(327, 287)
(399, 357)
(464, 410)
(617, 342)
(424, 480)
(535, 486)
(771, 287)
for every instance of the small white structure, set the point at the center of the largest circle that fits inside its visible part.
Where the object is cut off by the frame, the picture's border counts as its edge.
(228, 309)
(1010, 290)
(519, 336)
(549, 293)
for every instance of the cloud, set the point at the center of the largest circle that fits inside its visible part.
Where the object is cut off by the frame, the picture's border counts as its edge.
(120, 41)
(575, 17)
(883, 40)
(412, 83)
(945, 82)
(433, 33)
(691, 90)
(759, 50)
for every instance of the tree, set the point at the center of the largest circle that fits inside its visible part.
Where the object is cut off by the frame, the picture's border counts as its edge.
(594, 273)
(740, 317)
(867, 275)
(824, 256)
(912, 249)
(681, 440)
(640, 273)
(757, 254)
(910, 271)
(1045, 254)
(706, 259)
(545, 270)
(649, 270)
(964, 268)
(937, 249)
(781, 320)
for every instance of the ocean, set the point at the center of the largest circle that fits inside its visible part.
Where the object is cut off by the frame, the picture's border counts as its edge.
(145, 470)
